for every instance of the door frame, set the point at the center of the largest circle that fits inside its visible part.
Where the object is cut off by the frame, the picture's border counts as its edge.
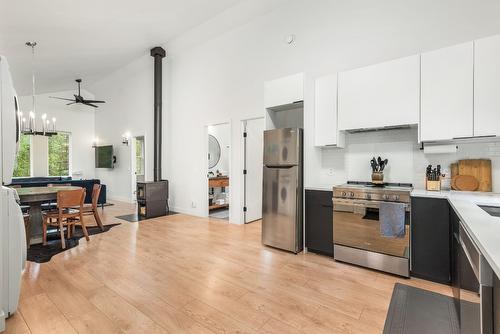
(243, 125)
(229, 122)
(133, 178)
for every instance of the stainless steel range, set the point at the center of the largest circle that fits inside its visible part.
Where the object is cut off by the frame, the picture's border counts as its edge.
(358, 234)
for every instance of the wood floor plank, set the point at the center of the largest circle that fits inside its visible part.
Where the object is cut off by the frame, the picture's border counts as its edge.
(43, 317)
(184, 274)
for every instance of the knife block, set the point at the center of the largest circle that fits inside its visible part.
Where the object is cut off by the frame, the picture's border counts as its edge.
(377, 177)
(433, 185)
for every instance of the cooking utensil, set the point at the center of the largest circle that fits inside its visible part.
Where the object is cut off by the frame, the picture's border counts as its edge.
(384, 163)
(374, 165)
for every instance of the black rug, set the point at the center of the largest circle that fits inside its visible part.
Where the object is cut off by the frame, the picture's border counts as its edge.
(39, 253)
(132, 218)
(416, 311)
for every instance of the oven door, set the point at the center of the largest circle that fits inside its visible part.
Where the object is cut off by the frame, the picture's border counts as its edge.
(356, 224)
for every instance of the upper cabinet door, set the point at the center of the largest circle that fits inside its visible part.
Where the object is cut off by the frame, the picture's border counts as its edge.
(284, 91)
(325, 113)
(447, 93)
(381, 95)
(487, 86)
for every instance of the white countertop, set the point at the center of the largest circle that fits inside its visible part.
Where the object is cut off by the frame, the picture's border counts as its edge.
(483, 228)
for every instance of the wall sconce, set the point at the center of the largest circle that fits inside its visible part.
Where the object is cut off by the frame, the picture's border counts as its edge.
(125, 138)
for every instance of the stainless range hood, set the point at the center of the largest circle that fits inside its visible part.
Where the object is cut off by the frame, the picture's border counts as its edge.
(383, 128)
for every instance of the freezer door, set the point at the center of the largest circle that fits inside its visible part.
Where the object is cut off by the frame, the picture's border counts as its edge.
(280, 217)
(282, 147)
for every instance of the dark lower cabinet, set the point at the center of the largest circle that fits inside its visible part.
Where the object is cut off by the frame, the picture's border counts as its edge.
(430, 239)
(496, 304)
(319, 221)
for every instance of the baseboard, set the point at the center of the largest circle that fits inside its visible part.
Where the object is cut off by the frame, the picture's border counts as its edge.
(120, 199)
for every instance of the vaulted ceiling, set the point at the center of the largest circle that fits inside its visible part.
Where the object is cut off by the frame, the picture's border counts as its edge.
(91, 38)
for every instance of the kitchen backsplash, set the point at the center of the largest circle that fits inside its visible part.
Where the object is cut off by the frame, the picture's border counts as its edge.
(407, 163)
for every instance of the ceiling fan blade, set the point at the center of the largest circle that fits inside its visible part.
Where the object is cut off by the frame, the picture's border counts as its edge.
(94, 101)
(70, 103)
(90, 104)
(61, 98)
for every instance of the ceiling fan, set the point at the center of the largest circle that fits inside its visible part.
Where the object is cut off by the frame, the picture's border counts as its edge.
(79, 98)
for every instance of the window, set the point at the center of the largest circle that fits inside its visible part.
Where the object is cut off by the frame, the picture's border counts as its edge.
(23, 160)
(59, 154)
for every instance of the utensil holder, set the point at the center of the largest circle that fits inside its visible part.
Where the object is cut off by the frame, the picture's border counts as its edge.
(433, 185)
(377, 177)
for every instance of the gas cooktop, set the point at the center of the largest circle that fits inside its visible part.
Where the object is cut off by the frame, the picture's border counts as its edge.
(393, 192)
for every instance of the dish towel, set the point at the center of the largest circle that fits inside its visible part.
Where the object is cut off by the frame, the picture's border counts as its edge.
(392, 219)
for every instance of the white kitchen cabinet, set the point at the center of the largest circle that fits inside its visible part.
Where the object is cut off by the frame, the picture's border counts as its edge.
(326, 131)
(487, 86)
(284, 91)
(381, 95)
(447, 93)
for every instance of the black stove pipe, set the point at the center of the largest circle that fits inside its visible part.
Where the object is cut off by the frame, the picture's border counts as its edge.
(158, 53)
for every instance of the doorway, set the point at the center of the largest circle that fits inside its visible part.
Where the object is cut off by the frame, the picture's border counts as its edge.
(253, 143)
(138, 162)
(219, 148)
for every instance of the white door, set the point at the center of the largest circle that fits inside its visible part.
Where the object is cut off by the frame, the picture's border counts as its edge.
(253, 164)
(447, 93)
(487, 86)
(385, 94)
(283, 91)
(325, 113)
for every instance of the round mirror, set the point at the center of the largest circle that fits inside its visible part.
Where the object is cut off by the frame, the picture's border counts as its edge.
(213, 151)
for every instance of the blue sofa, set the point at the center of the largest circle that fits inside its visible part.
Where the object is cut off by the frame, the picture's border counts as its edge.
(43, 181)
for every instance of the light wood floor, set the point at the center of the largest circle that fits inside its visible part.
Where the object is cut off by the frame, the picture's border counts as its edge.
(182, 274)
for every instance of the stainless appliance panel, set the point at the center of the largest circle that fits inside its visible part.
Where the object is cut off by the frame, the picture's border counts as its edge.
(356, 224)
(282, 147)
(280, 208)
(391, 264)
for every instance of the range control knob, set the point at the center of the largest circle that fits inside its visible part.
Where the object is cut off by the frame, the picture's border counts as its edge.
(396, 197)
(368, 196)
(351, 194)
(385, 197)
(344, 194)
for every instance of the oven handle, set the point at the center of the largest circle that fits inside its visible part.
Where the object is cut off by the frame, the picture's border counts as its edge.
(362, 203)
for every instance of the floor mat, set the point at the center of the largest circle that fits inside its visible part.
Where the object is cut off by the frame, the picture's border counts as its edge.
(39, 253)
(416, 311)
(132, 218)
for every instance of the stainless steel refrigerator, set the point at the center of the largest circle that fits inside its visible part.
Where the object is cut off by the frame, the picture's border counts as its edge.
(282, 189)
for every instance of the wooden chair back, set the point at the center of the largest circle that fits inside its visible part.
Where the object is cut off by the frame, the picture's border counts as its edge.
(70, 199)
(96, 191)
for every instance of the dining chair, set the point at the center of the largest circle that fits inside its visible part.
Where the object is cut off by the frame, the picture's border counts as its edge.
(52, 205)
(91, 208)
(69, 212)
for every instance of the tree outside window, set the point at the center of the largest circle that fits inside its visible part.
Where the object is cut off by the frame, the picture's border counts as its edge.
(23, 161)
(59, 154)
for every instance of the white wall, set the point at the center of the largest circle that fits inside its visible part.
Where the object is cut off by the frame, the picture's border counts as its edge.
(76, 119)
(129, 108)
(407, 162)
(223, 78)
(222, 132)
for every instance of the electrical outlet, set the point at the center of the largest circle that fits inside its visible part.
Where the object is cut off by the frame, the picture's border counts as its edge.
(193, 204)
(330, 171)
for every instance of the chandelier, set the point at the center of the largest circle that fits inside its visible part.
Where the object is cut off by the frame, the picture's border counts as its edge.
(30, 125)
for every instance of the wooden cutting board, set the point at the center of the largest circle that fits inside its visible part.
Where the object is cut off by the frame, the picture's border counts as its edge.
(479, 169)
(466, 183)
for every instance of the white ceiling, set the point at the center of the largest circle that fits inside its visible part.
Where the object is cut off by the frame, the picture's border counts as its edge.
(91, 38)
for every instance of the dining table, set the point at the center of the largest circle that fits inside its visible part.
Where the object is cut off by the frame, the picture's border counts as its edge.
(34, 197)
